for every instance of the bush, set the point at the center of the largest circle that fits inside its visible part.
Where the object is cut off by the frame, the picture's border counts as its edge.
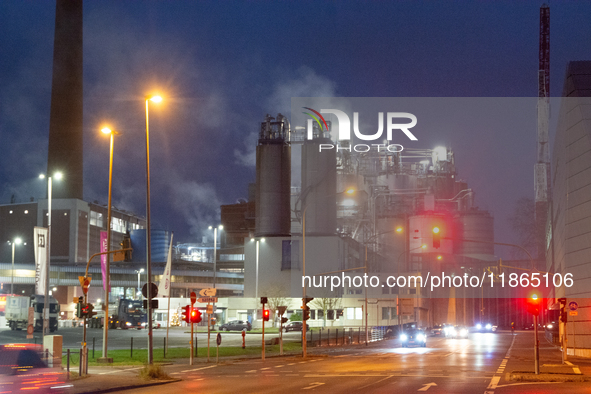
(155, 371)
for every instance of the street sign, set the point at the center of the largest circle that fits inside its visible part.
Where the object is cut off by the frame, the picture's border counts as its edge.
(31, 316)
(84, 282)
(207, 292)
(573, 306)
(406, 307)
(153, 290)
(30, 330)
(263, 300)
(281, 310)
(209, 309)
(219, 339)
(573, 313)
(118, 256)
(206, 300)
(193, 297)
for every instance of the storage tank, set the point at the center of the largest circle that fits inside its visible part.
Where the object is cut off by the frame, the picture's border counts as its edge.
(273, 178)
(159, 243)
(319, 187)
(478, 226)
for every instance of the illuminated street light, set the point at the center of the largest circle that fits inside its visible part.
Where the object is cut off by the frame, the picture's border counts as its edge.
(17, 241)
(155, 99)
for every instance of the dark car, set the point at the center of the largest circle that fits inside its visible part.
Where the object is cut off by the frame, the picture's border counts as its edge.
(437, 330)
(236, 325)
(295, 326)
(22, 369)
(413, 336)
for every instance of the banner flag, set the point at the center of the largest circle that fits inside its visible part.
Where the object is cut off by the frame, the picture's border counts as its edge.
(104, 259)
(164, 288)
(40, 237)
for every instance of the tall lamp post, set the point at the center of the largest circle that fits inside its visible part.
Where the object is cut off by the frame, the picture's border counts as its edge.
(155, 99)
(304, 338)
(215, 238)
(17, 241)
(138, 281)
(57, 176)
(107, 279)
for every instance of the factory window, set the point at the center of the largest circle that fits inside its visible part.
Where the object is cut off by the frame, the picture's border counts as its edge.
(290, 255)
(385, 288)
(118, 225)
(96, 219)
(385, 313)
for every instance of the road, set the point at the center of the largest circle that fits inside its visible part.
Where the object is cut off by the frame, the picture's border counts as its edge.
(121, 339)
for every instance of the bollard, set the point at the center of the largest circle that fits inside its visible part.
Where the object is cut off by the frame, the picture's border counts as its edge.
(196, 345)
(93, 338)
(328, 340)
(80, 363)
(68, 364)
(164, 348)
(358, 335)
(311, 337)
(336, 338)
(131, 354)
(86, 362)
(320, 334)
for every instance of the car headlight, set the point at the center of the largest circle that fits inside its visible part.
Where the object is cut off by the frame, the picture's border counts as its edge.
(463, 332)
(128, 324)
(549, 326)
(488, 326)
(479, 326)
(421, 337)
(143, 324)
(403, 337)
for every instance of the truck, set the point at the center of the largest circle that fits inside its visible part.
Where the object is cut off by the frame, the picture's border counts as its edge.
(124, 314)
(17, 312)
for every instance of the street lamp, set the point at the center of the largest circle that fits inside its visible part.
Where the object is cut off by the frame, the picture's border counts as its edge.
(107, 279)
(215, 238)
(349, 191)
(17, 241)
(138, 280)
(57, 176)
(155, 99)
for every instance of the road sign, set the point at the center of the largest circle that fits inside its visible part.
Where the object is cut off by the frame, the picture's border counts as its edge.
(118, 256)
(153, 290)
(207, 292)
(406, 307)
(573, 306)
(281, 310)
(193, 297)
(209, 309)
(206, 300)
(573, 313)
(263, 300)
(219, 339)
(30, 330)
(84, 282)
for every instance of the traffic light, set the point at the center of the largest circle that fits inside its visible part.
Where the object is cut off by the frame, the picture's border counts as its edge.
(533, 305)
(90, 311)
(195, 316)
(563, 312)
(306, 308)
(126, 244)
(84, 310)
(186, 314)
(79, 310)
(284, 320)
(436, 237)
(266, 314)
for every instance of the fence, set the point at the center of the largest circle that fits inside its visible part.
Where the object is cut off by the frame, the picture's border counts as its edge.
(346, 336)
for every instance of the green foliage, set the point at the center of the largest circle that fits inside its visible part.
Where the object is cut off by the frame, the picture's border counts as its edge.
(154, 371)
(296, 317)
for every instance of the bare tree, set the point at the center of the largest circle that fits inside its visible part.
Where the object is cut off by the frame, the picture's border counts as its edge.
(523, 223)
(276, 296)
(326, 304)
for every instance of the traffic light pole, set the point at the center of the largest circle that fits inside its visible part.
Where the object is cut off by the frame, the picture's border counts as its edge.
(536, 347)
(263, 356)
(84, 354)
(191, 343)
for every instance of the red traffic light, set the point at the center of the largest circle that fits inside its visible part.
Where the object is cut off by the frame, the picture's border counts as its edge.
(266, 314)
(195, 316)
(186, 314)
(533, 305)
(436, 237)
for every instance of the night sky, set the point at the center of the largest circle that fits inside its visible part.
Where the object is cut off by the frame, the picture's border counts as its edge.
(221, 66)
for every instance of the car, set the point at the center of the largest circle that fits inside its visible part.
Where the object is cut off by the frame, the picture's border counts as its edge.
(458, 332)
(413, 336)
(295, 326)
(22, 368)
(236, 325)
(437, 330)
(484, 327)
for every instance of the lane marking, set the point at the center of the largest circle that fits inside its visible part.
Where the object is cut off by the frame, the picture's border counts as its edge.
(518, 384)
(197, 369)
(493, 383)
(313, 385)
(277, 366)
(577, 370)
(254, 370)
(329, 375)
(371, 384)
(262, 369)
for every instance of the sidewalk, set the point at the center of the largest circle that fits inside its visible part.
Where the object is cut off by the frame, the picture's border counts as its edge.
(520, 365)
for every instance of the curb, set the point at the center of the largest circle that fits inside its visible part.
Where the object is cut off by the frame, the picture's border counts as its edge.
(131, 386)
(527, 376)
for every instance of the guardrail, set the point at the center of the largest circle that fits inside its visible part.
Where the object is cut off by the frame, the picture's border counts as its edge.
(340, 336)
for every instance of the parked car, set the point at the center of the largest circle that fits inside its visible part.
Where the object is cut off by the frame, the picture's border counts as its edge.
(236, 325)
(22, 368)
(413, 336)
(295, 326)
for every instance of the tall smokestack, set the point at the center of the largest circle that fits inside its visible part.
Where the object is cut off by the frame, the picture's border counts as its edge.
(65, 123)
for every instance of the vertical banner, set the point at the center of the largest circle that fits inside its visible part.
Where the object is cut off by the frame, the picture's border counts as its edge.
(40, 237)
(104, 259)
(164, 287)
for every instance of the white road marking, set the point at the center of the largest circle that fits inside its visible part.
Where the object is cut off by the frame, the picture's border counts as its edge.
(254, 370)
(427, 386)
(493, 383)
(197, 369)
(262, 369)
(279, 366)
(577, 370)
(517, 384)
(313, 385)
